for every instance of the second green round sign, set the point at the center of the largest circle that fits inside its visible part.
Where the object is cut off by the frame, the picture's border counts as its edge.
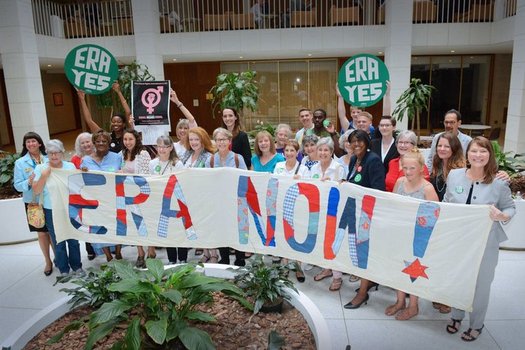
(91, 68)
(362, 80)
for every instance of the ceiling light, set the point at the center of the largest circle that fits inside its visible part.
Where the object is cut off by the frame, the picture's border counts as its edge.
(49, 65)
(241, 57)
(309, 55)
(174, 59)
(452, 51)
(380, 52)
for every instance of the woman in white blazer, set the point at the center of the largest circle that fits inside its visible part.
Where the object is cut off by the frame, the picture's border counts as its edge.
(477, 184)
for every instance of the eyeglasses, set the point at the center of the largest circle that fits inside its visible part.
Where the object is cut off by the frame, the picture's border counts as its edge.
(384, 125)
(163, 147)
(222, 140)
(404, 143)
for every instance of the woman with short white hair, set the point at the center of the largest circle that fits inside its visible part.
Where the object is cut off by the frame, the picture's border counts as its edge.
(65, 260)
(83, 147)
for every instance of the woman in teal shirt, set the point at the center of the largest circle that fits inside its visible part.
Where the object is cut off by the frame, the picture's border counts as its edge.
(266, 157)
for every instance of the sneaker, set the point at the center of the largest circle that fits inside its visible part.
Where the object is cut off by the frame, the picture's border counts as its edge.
(79, 272)
(64, 274)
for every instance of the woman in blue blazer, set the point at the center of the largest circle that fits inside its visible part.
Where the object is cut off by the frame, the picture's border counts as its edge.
(365, 169)
(477, 184)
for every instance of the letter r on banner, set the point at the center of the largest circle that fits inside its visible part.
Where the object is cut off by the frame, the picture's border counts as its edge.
(123, 201)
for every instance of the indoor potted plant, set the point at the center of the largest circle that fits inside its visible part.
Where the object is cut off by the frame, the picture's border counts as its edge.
(412, 102)
(266, 284)
(12, 208)
(237, 90)
(155, 305)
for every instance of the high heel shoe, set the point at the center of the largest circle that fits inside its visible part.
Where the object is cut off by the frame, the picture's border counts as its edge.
(351, 306)
(370, 286)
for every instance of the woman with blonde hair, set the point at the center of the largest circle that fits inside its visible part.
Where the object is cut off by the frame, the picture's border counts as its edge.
(412, 184)
(265, 157)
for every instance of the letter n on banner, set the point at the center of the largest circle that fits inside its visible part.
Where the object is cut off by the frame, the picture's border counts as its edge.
(77, 203)
(311, 192)
(247, 199)
(123, 201)
(167, 213)
(358, 237)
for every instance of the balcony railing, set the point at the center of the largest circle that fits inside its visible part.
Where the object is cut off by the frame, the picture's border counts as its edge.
(114, 17)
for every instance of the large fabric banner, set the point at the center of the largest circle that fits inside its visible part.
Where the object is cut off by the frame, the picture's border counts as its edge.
(428, 249)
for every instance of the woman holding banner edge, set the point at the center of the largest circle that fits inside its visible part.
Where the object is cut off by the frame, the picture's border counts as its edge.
(478, 184)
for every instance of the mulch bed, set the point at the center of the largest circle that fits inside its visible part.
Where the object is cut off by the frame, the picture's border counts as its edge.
(235, 328)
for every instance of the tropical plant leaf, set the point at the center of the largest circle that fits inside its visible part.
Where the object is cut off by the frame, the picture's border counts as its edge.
(196, 339)
(156, 267)
(131, 285)
(124, 269)
(109, 311)
(200, 316)
(157, 330)
(133, 338)
(99, 332)
(173, 295)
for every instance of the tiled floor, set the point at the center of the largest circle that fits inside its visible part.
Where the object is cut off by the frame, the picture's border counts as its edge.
(24, 290)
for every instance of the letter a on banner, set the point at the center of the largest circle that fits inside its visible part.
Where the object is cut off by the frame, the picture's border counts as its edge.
(248, 200)
(167, 213)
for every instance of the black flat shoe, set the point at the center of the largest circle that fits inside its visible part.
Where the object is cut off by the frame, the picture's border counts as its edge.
(48, 272)
(370, 286)
(351, 306)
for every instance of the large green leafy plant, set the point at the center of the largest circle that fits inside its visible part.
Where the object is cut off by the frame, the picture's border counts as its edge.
(237, 90)
(158, 306)
(412, 102)
(507, 161)
(7, 166)
(263, 282)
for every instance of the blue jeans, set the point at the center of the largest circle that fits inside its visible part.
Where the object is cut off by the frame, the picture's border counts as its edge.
(63, 261)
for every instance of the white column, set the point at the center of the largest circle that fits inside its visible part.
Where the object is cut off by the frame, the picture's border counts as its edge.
(22, 70)
(398, 50)
(147, 32)
(515, 131)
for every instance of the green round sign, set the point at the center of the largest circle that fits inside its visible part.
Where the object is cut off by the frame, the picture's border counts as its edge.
(91, 68)
(362, 80)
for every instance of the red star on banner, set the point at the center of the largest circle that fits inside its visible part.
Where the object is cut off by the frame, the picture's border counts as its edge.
(415, 270)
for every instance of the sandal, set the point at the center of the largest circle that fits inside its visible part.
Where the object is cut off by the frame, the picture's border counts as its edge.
(444, 309)
(336, 284)
(354, 278)
(325, 273)
(213, 260)
(468, 336)
(406, 314)
(204, 259)
(454, 327)
(394, 309)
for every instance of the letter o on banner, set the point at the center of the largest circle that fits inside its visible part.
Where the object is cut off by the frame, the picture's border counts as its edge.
(362, 80)
(91, 68)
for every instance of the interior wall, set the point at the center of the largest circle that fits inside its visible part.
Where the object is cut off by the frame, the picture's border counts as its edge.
(500, 90)
(59, 103)
(191, 82)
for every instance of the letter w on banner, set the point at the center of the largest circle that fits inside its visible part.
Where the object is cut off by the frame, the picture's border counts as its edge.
(429, 249)
(150, 108)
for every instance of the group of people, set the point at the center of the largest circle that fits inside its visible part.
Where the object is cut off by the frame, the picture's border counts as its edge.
(381, 159)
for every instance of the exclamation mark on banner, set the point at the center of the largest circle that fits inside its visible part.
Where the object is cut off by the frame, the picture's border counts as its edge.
(427, 216)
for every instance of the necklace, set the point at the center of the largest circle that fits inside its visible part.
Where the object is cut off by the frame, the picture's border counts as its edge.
(440, 175)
